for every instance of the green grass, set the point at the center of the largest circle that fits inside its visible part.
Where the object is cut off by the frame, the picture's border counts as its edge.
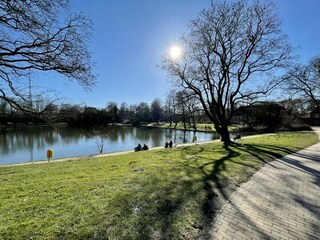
(161, 194)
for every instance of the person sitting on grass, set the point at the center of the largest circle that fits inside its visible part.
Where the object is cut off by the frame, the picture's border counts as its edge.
(170, 144)
(237, 137)
(145, 147)
(166, 145)
(137, 148)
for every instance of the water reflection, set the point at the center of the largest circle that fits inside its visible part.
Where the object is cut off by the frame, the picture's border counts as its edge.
(30, 143)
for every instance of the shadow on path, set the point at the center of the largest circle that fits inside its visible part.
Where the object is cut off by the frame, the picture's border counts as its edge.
(306, 162)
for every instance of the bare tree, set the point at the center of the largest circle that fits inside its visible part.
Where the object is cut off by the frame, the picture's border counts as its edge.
(304, 81)
(170, 107)
(188, 106)
(231, 54)
(194, 110)
(39, 36)
(100, 137)
(182, 108)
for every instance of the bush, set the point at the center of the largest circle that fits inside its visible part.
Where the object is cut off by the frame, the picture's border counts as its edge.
(300, 127)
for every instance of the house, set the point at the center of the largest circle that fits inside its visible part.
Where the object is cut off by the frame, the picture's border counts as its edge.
(315, 113)
(315, 117)
(261, 114)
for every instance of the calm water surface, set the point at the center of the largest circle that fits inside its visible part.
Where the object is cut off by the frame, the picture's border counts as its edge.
(27, 144)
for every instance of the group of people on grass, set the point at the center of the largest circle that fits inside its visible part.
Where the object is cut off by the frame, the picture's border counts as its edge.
(145, 147)
(168, 144)
(139, 148)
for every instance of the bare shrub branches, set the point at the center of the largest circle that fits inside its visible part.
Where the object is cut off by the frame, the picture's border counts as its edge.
(304, 81)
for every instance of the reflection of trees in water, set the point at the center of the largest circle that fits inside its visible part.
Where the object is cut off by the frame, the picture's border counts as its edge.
(116, 133)
(29, 138)
(16, 139)
(121, 134)
(72, 134)
(170, 135)
(182, 137)
(125, 133)
(151, 137)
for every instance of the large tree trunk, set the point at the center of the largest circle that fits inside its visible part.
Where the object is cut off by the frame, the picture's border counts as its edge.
(224, 133)
(222, 130)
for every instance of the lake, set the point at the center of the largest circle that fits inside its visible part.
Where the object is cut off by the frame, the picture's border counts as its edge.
(28, 144)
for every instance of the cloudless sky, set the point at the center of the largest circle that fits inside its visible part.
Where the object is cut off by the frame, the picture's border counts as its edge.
(131, 35)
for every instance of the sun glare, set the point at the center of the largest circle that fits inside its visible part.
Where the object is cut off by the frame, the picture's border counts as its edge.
(175, 52)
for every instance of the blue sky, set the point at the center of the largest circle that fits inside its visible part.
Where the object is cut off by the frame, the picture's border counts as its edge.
(131, 35)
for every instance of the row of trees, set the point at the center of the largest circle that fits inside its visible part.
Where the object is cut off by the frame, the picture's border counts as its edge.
(178, 107)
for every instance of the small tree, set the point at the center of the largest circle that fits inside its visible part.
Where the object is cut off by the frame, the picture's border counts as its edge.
(100, 138)
(232, 53)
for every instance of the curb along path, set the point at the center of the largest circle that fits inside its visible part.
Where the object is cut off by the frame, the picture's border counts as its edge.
(280, 201)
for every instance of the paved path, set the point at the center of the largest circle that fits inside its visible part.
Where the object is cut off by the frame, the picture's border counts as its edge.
(281, 201)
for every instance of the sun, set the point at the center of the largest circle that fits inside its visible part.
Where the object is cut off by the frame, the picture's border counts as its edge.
(175, 52)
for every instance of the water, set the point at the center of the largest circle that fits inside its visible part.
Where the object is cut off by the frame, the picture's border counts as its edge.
(27, 144)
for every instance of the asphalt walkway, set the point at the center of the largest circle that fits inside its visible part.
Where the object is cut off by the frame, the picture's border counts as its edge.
(281, 201)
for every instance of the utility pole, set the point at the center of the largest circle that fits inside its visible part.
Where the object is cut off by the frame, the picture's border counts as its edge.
(30, 93)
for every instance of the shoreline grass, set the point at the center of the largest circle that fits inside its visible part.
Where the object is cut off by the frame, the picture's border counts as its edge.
(160, 194)
(201, 127)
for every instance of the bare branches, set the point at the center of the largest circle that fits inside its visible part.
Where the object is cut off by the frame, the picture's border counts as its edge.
(32, 39)
(304, 81)
(100, 138)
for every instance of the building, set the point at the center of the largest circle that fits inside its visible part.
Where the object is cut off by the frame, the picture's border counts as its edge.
(315, 117)
(270, 115)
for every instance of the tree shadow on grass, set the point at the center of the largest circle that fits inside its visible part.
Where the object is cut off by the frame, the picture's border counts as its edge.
(263, 152)
(155, 210)
(214, 182)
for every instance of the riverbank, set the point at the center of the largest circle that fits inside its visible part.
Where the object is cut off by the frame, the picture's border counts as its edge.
(157, 194)
(201, 127)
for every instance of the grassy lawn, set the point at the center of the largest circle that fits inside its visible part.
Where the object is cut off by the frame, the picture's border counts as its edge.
(160, 194)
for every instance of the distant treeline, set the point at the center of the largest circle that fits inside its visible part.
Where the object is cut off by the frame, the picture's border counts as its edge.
(178, 107)
(78, 115)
